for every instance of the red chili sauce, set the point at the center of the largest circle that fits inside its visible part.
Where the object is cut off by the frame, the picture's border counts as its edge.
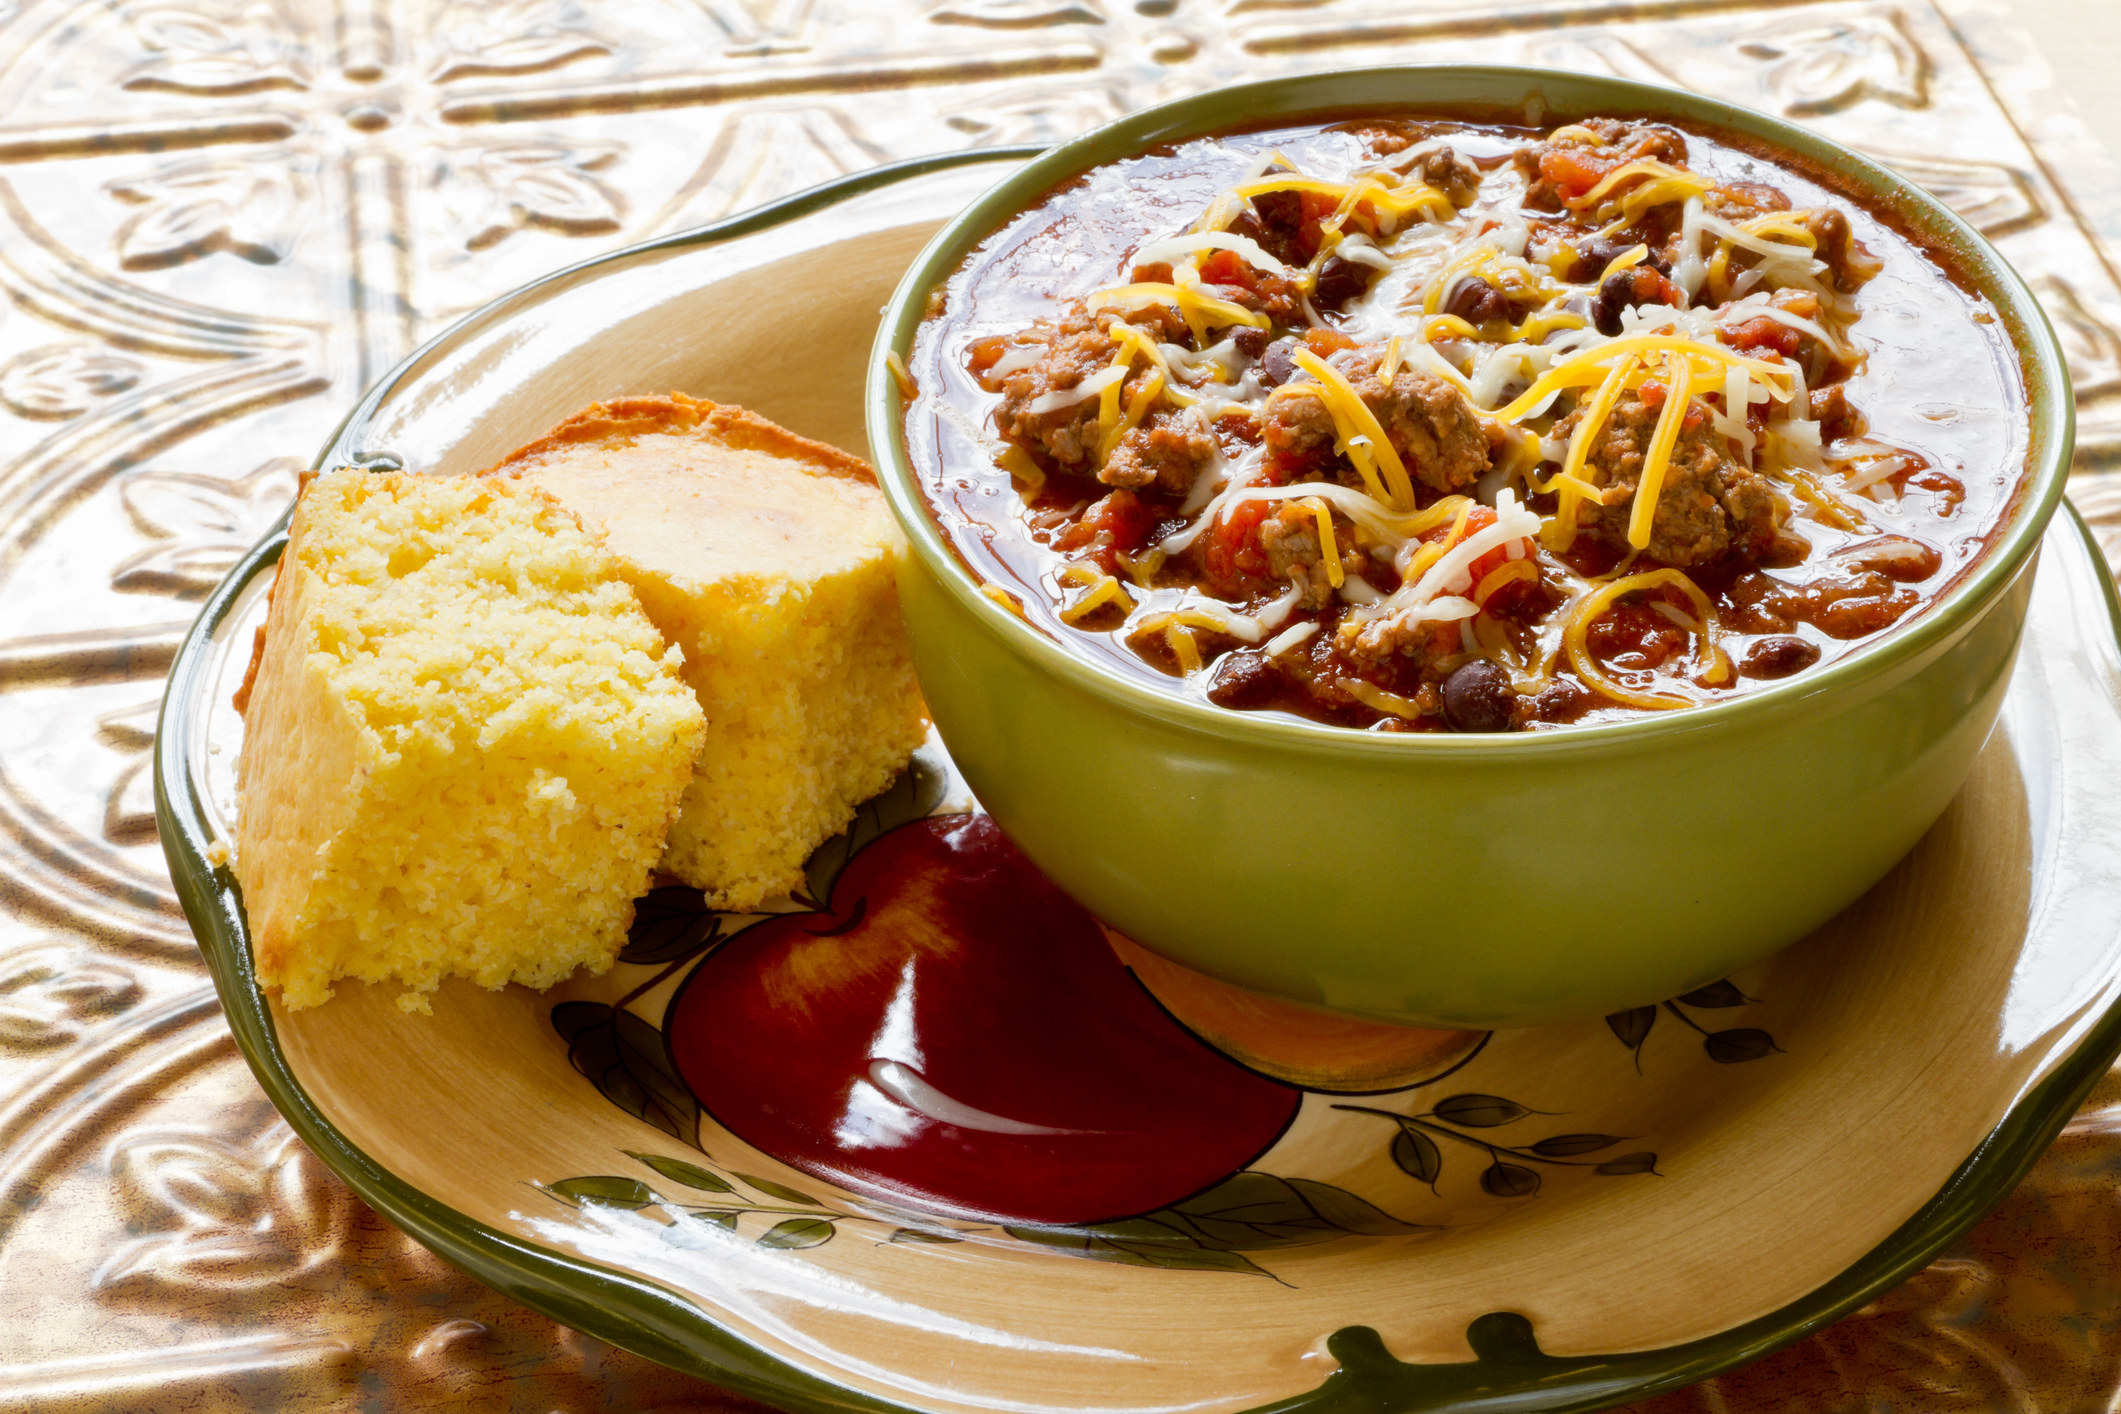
(1351, 420)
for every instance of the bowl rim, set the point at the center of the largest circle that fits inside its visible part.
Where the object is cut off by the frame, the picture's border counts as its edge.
(2050, 406)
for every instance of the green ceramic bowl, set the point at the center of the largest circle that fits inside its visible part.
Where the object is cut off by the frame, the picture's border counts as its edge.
(1461, 880)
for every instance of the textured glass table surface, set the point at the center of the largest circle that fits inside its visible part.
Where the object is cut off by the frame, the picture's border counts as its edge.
(219, 219)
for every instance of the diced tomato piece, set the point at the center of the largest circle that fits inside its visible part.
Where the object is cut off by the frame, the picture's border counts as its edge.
(1226, 267)
(1326, 342)
(1316, 208)
(1479, 519)
(1233, 551)
(1115, 523)
(1155, 273)
(1652, 394)
(985, 353)
(1574, 170)
(1762, 333)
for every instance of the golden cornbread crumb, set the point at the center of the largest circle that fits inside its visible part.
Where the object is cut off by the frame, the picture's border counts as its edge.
(463, 743)
(770, 559)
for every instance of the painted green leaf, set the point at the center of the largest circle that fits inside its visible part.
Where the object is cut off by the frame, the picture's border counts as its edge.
(1479, 1111)
(1349, 1213)
(672, 922)
(795, 1234)
(1508, 1180)
(1744, 1043)
(1417, 1154)
(607, 1189)
(1632, 1026)
(917, 791)
(624, 1057)
(1135, 1252)
(780, 1190)
(723, 1218)
(1568, 1146)
(1716, 994)
(1185, 1259)
(1247, 1212)
(678, 1171)
(914, 1234)
(1641, 1162)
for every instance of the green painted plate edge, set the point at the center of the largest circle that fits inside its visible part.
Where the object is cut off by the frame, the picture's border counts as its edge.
(1508, 1373)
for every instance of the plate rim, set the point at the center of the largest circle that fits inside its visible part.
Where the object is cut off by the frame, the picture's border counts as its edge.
(650, 1321)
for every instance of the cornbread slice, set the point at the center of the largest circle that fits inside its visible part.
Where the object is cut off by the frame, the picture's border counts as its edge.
(768, 558)
(464, 742)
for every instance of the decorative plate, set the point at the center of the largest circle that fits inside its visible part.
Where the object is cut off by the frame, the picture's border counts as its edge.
(925, 1137)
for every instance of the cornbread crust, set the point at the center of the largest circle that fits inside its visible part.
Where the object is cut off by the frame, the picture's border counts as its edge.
(464, 742)
(770, 559)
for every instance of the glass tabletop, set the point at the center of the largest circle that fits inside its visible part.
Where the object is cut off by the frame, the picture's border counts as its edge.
(220, 219)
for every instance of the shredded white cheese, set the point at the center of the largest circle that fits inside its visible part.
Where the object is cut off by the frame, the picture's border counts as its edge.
(1089, 388)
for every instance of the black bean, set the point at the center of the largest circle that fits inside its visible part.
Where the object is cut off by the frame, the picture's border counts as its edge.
(1477, 697)
(1281, 212)
(1250, 342)
(1278, 364)
(1340, 281)
(1624, 289)
(1476, 302)
(1244, 680)
(1778, 657)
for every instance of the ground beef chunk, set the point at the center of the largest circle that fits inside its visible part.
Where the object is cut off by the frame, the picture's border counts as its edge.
(1440, 166)
(1290, 539)
(1409, 647)
(1742, 201)
(1429, 423)
(1709, 505)
(1830, 408)
(1169, 450)
(1624, 143)
(1449, 173)
(1077, 346)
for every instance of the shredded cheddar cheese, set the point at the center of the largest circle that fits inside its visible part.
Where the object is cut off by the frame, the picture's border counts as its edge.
(1373, 456)
(1503, 574)
(1371, 695)
(1211, 309)
(1657, 461)
(1329, 548)
(1571, 482)
(1576, 638)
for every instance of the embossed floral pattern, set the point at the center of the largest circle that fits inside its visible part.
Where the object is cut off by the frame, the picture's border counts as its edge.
(508, 186)
(65, 380)
(253, 210)
(221, 1213)
(52, 992)
(198, 525)
(194, 51)
(516, 37)
(1821, 65)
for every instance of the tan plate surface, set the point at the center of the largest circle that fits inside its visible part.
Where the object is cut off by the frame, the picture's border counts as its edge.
(1874, 1058)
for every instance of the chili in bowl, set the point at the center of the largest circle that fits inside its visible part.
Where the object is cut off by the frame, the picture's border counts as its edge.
(1337, 503)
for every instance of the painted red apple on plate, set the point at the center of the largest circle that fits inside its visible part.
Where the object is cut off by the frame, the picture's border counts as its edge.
(953, 1032)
